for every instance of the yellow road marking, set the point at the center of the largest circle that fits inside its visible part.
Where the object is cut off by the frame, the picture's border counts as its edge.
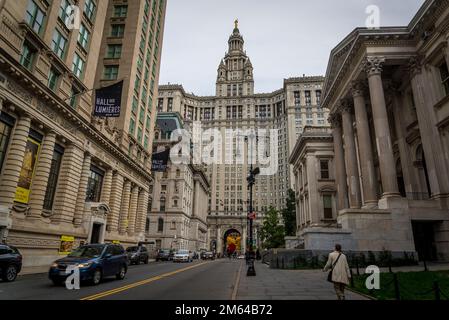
(140, 283)
(237, 282)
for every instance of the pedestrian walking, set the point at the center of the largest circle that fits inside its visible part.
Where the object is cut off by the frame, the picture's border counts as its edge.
(339, 273)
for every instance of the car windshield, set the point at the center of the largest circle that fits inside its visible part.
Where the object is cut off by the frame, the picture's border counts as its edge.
(87, 252)
(183, 252)
(132, 249)
(164, 251)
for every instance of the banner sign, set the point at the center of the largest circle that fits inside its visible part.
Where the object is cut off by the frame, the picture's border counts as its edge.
(159, 161)
(252, 216)
(27, 172)
(66, 245)
(108, 101)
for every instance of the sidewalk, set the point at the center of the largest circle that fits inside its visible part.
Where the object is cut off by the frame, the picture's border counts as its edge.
(271, 284)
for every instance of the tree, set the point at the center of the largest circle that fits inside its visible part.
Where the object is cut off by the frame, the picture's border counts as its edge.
(272, 232)
(289, 214)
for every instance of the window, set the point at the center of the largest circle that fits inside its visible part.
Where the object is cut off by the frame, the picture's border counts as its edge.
(78, 66)
(94, 185)
(120, 11)
(74, 98)
(53, 77)
(89, 9)
(114, 51)
(110, 72)
(27, 56)
(63, 10)
(170, 105)
(444, 71)
(324, 165)
(327, 205)
(160, 225)
(132, 126)
(318, 97)
(34, 16)
(147, 225)
(83, 36)
(162, 205)
(308, 98)
(53, 177)
(6, 125)
(58, 44)
(118, 30)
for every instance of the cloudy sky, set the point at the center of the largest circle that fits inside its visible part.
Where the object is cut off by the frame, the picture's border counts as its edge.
(283, 38)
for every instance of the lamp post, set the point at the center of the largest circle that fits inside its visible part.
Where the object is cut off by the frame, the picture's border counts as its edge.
(251, 216)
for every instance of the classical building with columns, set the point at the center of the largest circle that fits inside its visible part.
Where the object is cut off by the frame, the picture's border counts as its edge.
(178, 197)
(387, 91)
(64, 172)
(235, 105)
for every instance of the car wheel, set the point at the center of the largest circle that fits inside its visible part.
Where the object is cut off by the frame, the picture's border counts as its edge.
(96, 279)
(121, 275)
(10, 274)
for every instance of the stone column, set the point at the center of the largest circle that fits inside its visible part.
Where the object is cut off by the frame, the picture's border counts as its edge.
(351, 159)
(142, 210)
(219, 240)
(42, 171)
(107, 187)
(369, 180)
(13, 163)
(82, 189)
(124, 209)
(1, 104)
(340, 167)
(67, 191)
(382, 128)
(116, 201)
(133, 210)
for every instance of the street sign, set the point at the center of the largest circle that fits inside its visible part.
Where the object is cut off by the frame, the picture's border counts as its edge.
(252, 216)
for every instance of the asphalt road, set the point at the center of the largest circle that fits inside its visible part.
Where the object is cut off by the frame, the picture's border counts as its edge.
(210, 280)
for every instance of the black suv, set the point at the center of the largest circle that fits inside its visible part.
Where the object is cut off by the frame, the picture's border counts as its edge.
(10, 263)
(136, 255)
(165, 255)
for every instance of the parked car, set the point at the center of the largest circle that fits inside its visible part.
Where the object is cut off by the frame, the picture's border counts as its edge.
(165, 255)
(95, 262)
(183, 256)
(136, 255)
(10, 263)
(208, 255)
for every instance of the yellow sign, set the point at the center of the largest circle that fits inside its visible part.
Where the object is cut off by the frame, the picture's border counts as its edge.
(66, 245)
(115, 242)
(27, 172)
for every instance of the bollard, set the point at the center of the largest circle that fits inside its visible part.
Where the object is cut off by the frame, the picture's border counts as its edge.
(389, 266)
(436, 287)
(425, 265)
(396, 286)
(357, 266)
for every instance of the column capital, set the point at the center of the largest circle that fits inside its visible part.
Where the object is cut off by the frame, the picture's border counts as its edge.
(373, 65)
(358, 88)
(335, 120)
(345, 107)
(415, 65)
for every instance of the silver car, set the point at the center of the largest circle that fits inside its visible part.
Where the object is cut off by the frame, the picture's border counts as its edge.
(183, 256)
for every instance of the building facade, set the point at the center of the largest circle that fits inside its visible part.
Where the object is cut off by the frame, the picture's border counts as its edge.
(236, 106)
(68, 177)
(387, 90)
(178, 197)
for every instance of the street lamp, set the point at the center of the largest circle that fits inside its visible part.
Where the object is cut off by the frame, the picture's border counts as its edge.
(251, 215)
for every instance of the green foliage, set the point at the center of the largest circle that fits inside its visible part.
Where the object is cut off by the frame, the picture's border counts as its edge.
(289, 214)
(272, 232)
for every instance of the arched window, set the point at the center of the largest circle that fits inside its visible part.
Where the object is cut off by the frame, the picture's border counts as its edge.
(147, 225)
(160, 225)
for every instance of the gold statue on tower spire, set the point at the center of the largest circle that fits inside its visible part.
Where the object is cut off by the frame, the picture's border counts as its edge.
(236, 22)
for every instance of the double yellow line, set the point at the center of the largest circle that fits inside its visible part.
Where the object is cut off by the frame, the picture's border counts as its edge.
(140, 283)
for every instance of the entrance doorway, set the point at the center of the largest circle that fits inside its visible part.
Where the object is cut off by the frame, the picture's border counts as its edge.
(423, 233)
(232, 242)
(96, 233)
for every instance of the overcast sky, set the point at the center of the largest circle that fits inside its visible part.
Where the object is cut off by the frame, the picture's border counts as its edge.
(283, 38)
